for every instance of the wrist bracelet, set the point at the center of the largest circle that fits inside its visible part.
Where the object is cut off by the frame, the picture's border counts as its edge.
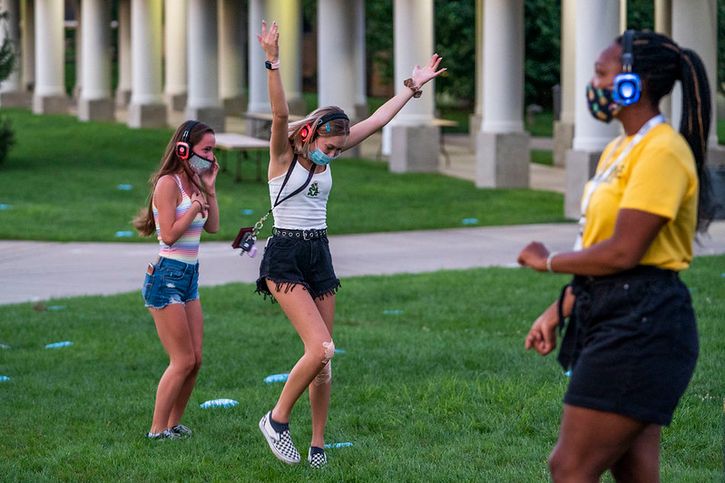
(416, 90)
(549, 259)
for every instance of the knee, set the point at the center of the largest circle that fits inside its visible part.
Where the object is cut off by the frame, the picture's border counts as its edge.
(558, 466)
(324, 351)
(324, 376)
(197, 363)
(185, 365)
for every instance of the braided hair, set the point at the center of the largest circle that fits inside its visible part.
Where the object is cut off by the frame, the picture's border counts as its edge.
(660, 62)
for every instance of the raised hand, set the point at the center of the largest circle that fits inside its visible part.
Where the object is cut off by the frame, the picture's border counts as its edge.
(269, 40)
(208, 177)
(421, 75)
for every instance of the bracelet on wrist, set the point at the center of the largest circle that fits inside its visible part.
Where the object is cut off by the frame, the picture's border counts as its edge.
(550, 259)
(416, 90)
(271, 65)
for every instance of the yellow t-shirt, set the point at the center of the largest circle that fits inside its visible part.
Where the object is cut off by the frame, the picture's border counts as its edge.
(658, 176)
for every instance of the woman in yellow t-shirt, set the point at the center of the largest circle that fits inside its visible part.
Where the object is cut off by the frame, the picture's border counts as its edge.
(631, 342)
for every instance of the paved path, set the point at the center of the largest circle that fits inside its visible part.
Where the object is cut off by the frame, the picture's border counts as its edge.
(43, 270)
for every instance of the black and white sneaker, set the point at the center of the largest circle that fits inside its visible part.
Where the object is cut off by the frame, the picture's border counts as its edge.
(280, 443)
(182, 431)
(165, 434)
(316, 457)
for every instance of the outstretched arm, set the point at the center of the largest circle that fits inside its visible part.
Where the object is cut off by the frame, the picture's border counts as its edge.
(279, 147)
(362, 130)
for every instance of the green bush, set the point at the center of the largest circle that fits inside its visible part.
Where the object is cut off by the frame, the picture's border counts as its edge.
(7, 138)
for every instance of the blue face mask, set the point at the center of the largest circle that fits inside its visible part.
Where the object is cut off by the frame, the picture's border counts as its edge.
(320, 158)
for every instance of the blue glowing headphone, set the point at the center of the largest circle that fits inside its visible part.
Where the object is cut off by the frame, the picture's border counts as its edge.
(627, 85)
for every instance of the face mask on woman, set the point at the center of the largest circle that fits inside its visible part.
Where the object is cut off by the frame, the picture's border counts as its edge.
(601, 103)
(198, 164)
(320, 158)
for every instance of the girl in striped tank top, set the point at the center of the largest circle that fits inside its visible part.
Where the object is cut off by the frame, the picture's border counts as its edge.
(182, 203)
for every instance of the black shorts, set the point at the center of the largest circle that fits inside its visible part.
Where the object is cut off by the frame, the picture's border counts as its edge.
(289, 262)
(637, 344)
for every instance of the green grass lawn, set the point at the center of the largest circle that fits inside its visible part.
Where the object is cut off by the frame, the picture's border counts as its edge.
(60, 182)
(434, 385)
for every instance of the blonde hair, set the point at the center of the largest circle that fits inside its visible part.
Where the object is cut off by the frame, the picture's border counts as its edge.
(299, 138)
(170, 164)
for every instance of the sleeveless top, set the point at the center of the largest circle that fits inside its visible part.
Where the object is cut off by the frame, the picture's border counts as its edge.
(186, 248)
(307, 209)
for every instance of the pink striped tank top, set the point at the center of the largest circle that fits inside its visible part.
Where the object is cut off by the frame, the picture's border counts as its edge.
(186, 248)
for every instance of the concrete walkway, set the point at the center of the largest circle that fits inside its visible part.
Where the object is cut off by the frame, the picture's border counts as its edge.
(42, 270)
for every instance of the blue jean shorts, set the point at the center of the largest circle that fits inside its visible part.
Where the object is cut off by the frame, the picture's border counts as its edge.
(170, 282)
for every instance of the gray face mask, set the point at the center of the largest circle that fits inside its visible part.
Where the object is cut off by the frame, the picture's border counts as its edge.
(199, 164)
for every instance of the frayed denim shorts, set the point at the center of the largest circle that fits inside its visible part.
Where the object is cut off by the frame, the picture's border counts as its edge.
(170, 282)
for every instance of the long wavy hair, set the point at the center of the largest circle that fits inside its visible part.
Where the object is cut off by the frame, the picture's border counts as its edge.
(171, 164)
(660, 62)
(336, 127)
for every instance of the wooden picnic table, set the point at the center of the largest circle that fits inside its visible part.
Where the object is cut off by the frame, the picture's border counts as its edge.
(243, 145)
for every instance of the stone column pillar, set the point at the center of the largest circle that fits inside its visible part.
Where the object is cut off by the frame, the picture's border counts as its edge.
(564, 126)
(95, 102)
(257, 74)
(146, 108)
(203, 67)
(502, 151)
(663, 24)
(123, 89)
(474, 121)
(175, 51)
(232, 31)
(694, 25)
(597, 26)
(335, 47)
(12, 93)
(361, 97)
(27, 46)
(288, 14)
(49, 96)
(77, 42)
(414, 140)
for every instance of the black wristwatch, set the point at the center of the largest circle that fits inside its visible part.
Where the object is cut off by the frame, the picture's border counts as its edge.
(271, 65)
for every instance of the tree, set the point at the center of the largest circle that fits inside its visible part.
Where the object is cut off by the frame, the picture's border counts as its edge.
(7, 65)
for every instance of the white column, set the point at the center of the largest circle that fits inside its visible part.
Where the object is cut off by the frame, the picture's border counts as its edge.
(12, 93)
(203, 103)
(288, 14)
(146, 108)
(175, 22)
(596, 28)
(502, 152)
(361, 98)
(335, 55)
(123, 89)
(474, 122)
(694, 26)
(257, 75)
(77, 42)
(231, 56)
(414, 140)
(49, 96)
(564, 127)
(27, 46)
(95, 99)
(663, 24)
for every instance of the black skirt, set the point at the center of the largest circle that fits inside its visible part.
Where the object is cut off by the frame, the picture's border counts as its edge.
(631, 344)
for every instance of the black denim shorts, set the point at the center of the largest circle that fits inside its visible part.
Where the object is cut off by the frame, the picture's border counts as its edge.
(289, 262)
(636, 344)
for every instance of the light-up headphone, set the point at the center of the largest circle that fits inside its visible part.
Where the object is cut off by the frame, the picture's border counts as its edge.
(183, 148)
(627, 85)
(309, 130)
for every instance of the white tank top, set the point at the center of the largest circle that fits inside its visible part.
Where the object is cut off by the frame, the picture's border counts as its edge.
(308, 208)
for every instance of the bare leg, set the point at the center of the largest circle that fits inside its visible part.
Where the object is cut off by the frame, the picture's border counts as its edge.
(301, 310)
(319, 389)
(642, 461)
(175, 336)
(195, 321)
(590, 442)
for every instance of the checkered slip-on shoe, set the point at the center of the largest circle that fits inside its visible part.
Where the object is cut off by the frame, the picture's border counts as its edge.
(182, 431)
(317, 458)
(280, 443)
(165, 434)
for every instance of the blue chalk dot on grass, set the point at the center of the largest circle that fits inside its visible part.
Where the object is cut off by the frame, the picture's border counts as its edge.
(3, 207)
(568, 373)
(392, 311)
(346, 444)
(218, 403)
(276, 378)
(470, 221)
(4, 378)
(56, 307)
(124, 234)
(58, 345)
(247, 211)
(4, 346)
(124, 187)
(340, 351)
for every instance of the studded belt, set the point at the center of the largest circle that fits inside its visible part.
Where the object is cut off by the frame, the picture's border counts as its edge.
(312, 234)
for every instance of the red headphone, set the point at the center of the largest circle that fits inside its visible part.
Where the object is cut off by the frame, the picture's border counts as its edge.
(308, 131)
(183, 148)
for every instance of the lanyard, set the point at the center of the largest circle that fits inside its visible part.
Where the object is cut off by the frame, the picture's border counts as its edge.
(602, 176)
